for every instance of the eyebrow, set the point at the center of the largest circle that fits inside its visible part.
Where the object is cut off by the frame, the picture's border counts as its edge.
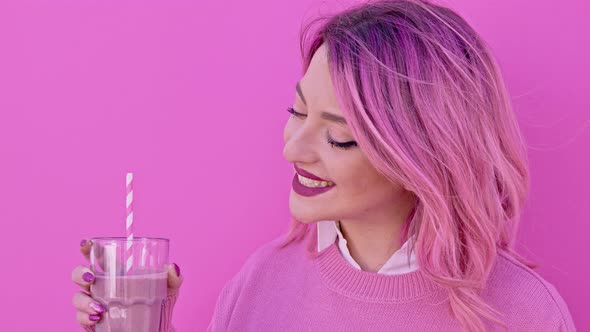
(325, 115)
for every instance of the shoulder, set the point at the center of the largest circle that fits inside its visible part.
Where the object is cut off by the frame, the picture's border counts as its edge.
(523, 295)
(266, 253)
(269, 255)
(250, 274)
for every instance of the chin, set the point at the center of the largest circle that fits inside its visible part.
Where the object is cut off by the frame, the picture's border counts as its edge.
(306, 212)
(306, 219)
(303, 215)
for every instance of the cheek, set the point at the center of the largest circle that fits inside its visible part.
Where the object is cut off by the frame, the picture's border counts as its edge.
(352, 177)
(364, 182)
(366, 186)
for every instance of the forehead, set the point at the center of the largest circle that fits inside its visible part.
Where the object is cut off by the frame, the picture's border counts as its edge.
(317, 86)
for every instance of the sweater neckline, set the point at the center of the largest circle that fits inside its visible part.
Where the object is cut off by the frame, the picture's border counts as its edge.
(343, 278)
(401, 261)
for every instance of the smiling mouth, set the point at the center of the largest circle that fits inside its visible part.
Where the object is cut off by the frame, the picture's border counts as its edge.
(308, 175)
(313, 183)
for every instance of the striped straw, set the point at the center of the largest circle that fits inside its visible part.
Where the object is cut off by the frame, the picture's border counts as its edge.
(129, 224)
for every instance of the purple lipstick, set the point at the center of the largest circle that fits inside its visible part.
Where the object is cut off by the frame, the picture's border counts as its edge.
(304, 190)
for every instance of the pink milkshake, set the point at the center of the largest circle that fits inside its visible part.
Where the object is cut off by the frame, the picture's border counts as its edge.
(133, 302)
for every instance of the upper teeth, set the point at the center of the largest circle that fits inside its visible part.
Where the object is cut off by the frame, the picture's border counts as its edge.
(313, 183)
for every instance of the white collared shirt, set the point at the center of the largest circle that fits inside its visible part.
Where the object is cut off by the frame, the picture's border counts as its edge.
(329, 231)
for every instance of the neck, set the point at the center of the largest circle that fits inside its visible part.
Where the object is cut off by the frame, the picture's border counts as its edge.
(374, 238)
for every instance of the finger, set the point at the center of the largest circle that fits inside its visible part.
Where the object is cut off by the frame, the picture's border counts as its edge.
(83, 302)
(85, 249)
(175, 279)
(83, 277)
(86, 319)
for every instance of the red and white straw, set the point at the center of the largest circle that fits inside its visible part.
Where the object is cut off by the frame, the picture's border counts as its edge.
(129, 224)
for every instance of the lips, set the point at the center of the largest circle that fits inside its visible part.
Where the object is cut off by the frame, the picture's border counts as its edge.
(305, 191)
(308, 174)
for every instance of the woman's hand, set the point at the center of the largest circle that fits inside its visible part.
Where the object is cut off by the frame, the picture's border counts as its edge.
(88, 310)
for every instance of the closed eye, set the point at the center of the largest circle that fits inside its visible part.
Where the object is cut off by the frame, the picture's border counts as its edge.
(294, 113)
(341, 145)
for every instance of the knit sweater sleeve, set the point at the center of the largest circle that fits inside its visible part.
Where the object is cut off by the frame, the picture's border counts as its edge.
(565, 322)
(226, 302)
(250, 272)
(167, 308)
(232, 290)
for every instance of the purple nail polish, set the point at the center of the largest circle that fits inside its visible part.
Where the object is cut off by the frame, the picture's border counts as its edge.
(82, 243)
(97, 307)
(177, 269)
(94, 318)
(88, 277)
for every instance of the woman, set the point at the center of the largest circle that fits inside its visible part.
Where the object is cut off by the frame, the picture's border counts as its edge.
(410, 177)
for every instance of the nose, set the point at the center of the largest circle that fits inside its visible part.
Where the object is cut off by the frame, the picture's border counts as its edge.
(300, 146)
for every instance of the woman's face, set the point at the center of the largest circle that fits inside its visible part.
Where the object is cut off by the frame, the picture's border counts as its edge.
(359, 191)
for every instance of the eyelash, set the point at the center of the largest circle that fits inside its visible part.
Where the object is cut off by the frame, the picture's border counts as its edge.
(345, 145)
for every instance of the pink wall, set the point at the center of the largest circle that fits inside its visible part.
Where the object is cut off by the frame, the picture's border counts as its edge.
(191, 97)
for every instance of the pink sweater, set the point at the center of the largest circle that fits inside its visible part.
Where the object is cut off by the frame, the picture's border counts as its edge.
(289, 290)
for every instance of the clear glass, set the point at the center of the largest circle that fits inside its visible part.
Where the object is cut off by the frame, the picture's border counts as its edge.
(133, 297)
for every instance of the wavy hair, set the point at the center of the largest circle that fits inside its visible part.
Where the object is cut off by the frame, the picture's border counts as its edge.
(426, 102)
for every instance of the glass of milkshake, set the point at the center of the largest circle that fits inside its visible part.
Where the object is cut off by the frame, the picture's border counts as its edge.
(130, 282)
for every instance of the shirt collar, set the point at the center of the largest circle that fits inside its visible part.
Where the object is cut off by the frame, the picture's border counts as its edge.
(328, 232)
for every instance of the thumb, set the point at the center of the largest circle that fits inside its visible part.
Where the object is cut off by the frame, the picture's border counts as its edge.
(174, 279)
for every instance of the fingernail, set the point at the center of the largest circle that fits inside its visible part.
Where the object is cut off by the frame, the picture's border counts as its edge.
(177, 269)
(94, 318)
(82, 243)
(97, 307)
(88, 277)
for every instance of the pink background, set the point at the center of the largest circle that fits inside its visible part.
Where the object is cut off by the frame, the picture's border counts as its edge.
(191, 97)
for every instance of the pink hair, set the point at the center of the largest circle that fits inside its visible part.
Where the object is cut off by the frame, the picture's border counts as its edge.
(426, 102)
